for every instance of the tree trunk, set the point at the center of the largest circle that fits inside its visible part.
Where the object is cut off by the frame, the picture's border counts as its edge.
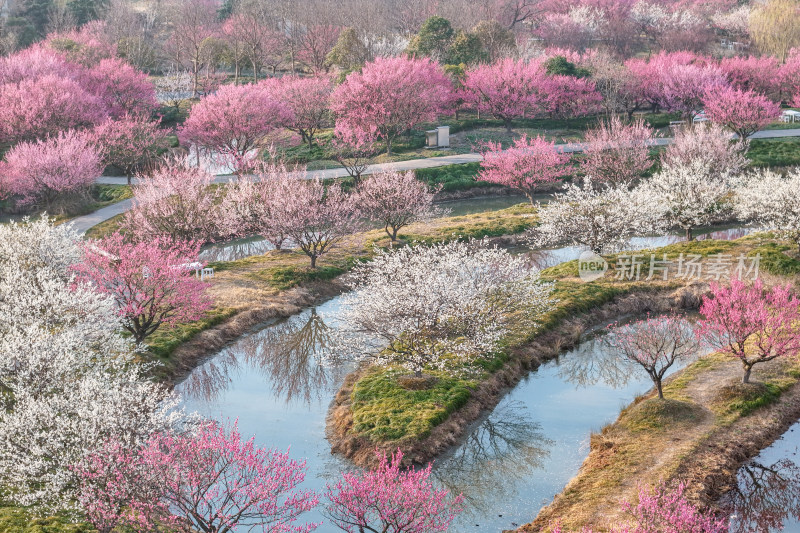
(689, 235)
(746, 377)
(508, 126)
(660, 389)
(388, 146)
(313, 261)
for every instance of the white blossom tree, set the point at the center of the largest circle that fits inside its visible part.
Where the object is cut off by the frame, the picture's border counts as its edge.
(689, 195)
(601, 219)
(68, 379)
(772, 201)
(426, 307)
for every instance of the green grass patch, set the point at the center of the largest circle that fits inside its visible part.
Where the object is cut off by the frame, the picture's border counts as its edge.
(782, 152)
(18, 520)
(166, 339)
(459, 177)
(774, 259)
(656, 414)
(286, 277)
(385, 410)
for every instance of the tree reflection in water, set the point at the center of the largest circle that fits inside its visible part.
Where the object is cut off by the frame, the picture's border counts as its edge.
(287, 354)
(506, 445)
(765, 497)
(595, 362)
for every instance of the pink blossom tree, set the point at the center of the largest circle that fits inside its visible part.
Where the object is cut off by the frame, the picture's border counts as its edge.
(391, 500)
(526, 166)
(665, 509)
(37, 107)
(568, 96)
(122, 89)
(316, 42)
(752, 73)
(39, 172)
(233, 123)
(750, 322)
(117, 490)
(684, 86)
(215, 481)
(655, 344)
(354, 150)
(35, 62)
(315, 217)
(743, 112)
(130, 143)
(710, 143)
(419, 91)
(307, 100)
(175, 200)
(86, 46)
(395, 200)
(790, 77)
(507, 89)
(617, 153)
(152, 282)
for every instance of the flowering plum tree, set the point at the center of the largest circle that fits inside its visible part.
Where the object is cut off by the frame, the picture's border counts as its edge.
(683, 87)
(70, 378)
(601, 219)
(391, 500)
(770, 200)
(420, 91)
(213, 480)
(617, 153)
(506, 89)
(41, 171)
(130, 143)
(751, 323)
(314, 216)
(655, 344)
(526, 166)
(395, 200)
(37, 107)
(152, 282)
(176, 200)
(709, 143)
(568, 96)
(752, 73)
(122, 89)
(743, 112)
(688, 196)
(233, 122)
(431, 306)
(354, 150)
(307, 99)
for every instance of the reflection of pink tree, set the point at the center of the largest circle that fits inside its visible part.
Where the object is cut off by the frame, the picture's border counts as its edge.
(391, 500)
(764, 497)
(233, 123)
(152, 282)
(743, 112)
(655, 344)
(526, 166)
(751, 323)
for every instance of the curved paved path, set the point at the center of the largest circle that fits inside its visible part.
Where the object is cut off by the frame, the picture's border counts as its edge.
(83, 223)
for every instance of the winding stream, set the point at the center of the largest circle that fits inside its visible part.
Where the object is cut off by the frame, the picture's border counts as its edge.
(509, 464)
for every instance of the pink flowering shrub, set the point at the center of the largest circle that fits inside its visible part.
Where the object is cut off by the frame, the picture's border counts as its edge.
(307, 100)
(233, 123)
(617, 153)
(39, 172)
(122, 89)
(153, 282)
(664, 509)
(391, 500)
(743, 112)
(752, 323)
(130, 143)
(526, 166)
(419, 91)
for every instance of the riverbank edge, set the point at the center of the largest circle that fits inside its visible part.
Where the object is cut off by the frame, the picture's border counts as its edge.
(708, 472)
(488, 393)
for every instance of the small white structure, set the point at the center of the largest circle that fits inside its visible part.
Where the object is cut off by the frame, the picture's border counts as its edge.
(207, 272)
(676, 123)
(789, 115)
(438, 138)
(700, 117)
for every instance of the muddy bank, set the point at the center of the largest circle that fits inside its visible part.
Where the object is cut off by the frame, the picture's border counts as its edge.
(489, 392)
(205, 344)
